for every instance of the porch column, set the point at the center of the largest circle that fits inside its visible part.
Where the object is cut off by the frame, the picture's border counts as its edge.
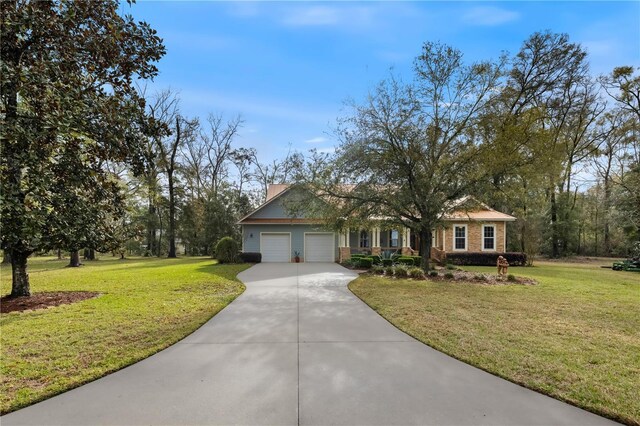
(343, 249)
(375, 242)
(406, 242)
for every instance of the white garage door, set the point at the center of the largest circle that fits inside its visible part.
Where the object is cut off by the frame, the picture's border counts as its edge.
(319, 247)
(275, 247)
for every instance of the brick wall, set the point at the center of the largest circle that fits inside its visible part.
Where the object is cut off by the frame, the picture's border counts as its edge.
(474, 235)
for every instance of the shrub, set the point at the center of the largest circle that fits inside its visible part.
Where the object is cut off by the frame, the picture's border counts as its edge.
(365, 262)
(377, 260)
(486, 259)
(405, 260)
(480, 277)
(388, 270)
(377, 269)
(511, 278)
(417, 260)
(357, 255)
(387, 262)
(226, 250)
(448, 275)
(450, 267)
(433, 273)
(401, 271)
(416, 272)
(250, 257)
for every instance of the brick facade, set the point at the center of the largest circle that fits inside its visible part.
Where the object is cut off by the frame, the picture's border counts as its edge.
(474, 236)
(345, 254)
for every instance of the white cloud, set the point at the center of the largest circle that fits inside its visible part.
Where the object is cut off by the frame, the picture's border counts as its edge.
(489, 16)
(312, 16)
(346, 17)
(318, 139)
(244, 9)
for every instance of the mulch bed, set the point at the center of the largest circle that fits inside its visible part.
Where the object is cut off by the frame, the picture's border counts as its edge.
(465, 277)
(43, 300)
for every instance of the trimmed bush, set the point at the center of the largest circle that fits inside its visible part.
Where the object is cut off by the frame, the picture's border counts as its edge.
(251, 257)
(401, 271)
(226, 250)
(448, 275)
(365, 262)
(486, 259)
(405, 260)
(357, 255)
(387, 262)
(450, 267)
(511, 278)
(433, 273)
(416, 272)
(417, 260)
(377, 260)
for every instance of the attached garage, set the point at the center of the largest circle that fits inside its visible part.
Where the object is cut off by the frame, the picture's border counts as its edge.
(275, 247)
(319, 247)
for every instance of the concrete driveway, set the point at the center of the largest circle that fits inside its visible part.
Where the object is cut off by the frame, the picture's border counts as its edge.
(297, 347)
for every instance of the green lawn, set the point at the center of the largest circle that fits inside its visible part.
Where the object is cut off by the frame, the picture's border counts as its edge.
(574, 336)
(145, 306)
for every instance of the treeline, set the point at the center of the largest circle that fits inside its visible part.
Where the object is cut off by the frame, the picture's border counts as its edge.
(198, 182)
(536, 135)
(576, 190)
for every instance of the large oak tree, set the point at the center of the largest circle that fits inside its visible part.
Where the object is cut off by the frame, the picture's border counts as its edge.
(410, 150)
(68, 106)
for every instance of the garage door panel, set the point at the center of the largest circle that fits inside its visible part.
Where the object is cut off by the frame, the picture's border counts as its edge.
(275, 247)
(319, 247)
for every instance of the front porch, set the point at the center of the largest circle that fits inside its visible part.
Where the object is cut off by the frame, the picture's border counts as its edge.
(376, 240)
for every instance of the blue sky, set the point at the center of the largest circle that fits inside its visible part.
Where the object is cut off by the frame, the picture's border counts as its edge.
(287, 68)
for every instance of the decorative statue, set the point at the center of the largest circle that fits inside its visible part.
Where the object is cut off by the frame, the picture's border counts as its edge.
(503, 265)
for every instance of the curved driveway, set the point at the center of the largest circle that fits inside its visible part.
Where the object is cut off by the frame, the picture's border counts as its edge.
(297, 347)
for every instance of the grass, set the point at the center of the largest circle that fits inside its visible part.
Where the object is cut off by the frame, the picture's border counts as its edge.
(146, 305)
(574, 336)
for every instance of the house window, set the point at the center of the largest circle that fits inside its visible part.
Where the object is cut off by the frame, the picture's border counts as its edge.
(488, 237)
(393, 238)
(460, 237)
(364, 239)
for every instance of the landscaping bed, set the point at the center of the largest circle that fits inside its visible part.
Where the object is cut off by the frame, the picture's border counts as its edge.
(43, 300)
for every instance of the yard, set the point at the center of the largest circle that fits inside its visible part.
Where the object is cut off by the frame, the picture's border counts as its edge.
(574, 336)
(144, 306)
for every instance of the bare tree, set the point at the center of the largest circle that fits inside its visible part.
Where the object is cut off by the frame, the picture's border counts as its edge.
(165, 109)
(277, 171)
(217, 141)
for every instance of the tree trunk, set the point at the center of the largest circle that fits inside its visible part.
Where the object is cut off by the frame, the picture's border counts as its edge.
(607, 209)
(555, 249)
(425, 247)
(159, 242)
(59, 254)
(151, 231)
(20, 277)
(89, 254)
(172, 219)
(6, 260)
(74, 259)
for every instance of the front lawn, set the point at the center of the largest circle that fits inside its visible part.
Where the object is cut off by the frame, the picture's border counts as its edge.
(574, 336)
(145, 305)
